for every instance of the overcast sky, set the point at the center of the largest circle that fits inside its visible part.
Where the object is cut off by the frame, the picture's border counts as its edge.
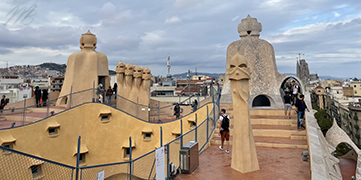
(194, 33)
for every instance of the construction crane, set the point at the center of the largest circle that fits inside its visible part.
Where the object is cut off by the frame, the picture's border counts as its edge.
(299, 55)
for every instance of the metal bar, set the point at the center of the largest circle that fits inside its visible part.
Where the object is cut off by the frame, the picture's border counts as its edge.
(130, 157)
(93, 99)
(207, 121)
(195, 135)
(77, 160)
(137, 106)
(181, 140)
(151, 170)
(161, 136)
(168, 170)
(158, 110)
(47, 107)
(71, 92)
(24, 111)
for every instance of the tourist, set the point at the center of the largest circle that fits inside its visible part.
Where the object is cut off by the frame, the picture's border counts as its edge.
(294, 91)
(195, 105)
(301, 106)
(109, 95)
(288, 107)
(224, 129)
(177, 111)
(115, 88)
(45, 96)
(37, 96)
(99, 93)
(3, 103)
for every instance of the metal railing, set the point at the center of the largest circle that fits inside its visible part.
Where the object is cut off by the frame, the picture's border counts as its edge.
(19, 165)
(31, 113)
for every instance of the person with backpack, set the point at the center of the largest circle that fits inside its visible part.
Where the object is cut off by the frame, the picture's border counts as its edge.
(301, 106)
(224, 129)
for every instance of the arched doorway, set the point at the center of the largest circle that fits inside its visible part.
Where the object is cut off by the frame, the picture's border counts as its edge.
(261, 101)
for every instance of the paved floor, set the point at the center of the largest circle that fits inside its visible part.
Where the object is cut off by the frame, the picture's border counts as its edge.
(348, 168)
(275, 164)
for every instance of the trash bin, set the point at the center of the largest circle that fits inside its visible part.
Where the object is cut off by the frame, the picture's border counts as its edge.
(188, 157)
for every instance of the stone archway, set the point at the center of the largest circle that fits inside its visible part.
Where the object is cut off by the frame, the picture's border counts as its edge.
(261, 101)
(290, 78)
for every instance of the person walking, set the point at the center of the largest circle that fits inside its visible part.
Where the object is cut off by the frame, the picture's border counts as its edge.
(288, 107)
(177, 111)
(301, 106)
(115, 88)
(109, 96)
(99, 93)
(195, 105)
(3, 103)
(37, 96)
(45, 97)
(294, 91)
(224, 129)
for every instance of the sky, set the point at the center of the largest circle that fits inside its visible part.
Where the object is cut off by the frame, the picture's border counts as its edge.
(194, 33)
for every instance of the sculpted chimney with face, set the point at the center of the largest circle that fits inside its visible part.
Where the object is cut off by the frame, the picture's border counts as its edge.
(244, 156)
(120, 69)
(146, 74)
(238, 69)
(137, 71)
(128, 69)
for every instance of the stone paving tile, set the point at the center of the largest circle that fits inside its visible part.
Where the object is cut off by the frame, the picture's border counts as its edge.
(275, 164)
(348, 168)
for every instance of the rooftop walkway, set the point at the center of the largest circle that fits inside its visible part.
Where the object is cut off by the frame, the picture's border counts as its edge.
(275, 163)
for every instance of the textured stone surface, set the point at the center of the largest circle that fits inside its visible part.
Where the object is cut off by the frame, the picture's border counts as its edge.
(265, 78)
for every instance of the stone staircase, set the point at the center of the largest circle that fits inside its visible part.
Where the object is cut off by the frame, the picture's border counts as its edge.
(31, 114)
(270, 129)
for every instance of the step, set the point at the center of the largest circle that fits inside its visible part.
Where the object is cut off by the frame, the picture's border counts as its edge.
(300, 137)
(31, 117)
(276, 132)
(266, 144)
(268, 121)
(273, 145)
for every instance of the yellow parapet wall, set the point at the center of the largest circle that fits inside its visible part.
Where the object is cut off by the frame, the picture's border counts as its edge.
(104, 133)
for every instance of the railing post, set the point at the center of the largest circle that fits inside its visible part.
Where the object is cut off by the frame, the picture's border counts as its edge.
(47, 107)
(161, 136)
(137, 106)
(93, 99)
(71, 94)
(207, 121)
(179, 101)
(196, 129)
(168, 170)
(130, 157)
(77, 160)
(24, 111)
(181, 140)
(158, 110)
(116, 100)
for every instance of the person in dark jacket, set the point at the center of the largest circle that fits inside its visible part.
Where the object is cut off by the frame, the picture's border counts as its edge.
(301, 106)
(115, 88)
(3, 103)
(37, 96)
(45, 96)
(195, 105)
(177, 111)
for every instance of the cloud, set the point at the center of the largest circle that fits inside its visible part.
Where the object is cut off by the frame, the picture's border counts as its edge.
(235, 18)
(336, 14)
(186, 3)
(174, 19)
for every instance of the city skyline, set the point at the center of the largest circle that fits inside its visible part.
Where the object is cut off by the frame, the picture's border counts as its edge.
(194, 33)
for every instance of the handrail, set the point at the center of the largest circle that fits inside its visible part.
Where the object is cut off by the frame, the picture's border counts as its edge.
(35, 157)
